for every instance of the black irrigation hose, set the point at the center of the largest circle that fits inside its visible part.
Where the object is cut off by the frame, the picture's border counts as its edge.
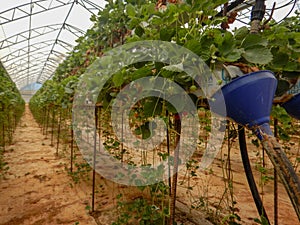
(249, 174)
(230, 7)
(289, 13)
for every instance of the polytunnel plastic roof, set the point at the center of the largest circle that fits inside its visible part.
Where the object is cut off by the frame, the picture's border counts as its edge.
(35, 35)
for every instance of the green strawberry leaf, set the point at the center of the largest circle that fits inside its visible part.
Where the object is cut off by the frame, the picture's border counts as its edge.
(258, 55)
(252, 40)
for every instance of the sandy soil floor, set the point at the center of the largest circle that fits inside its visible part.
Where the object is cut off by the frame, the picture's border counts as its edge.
(37, 189)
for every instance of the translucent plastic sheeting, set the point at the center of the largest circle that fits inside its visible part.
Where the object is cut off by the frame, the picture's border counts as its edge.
(35, 35)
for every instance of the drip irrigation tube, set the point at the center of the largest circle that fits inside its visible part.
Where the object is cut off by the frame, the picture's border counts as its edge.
(249, 174)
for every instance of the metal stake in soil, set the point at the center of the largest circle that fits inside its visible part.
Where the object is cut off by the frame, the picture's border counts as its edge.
(94, 158)
(168, 150)
(47, 122)
(275, 180)
(72, 148)
(58, 131)
(177, 125)
(52, 126)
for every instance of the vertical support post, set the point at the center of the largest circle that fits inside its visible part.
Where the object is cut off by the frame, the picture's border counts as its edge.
(94, 158)
(122, 137)
(177, 125)
(99, 126)
(9, 127)
(72, 148)
(228, 153)
(42, 119)
(228, 167)
(3, 127)
(58, 131)
(47, 122)
(15, 121)
(168, 150)
(52, 126)
(275, 180)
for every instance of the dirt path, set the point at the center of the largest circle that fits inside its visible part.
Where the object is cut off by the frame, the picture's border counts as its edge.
(37, 189)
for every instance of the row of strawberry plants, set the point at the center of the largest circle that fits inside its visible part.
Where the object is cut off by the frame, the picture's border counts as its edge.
(11, 109)
(192, 25)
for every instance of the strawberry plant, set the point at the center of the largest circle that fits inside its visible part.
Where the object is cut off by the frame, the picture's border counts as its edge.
(11, 109)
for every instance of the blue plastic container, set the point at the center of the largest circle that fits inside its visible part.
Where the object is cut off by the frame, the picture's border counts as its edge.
(293, 106)
(248, 99)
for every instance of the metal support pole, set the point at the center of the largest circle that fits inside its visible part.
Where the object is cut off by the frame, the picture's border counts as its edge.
(275, 181)
(177, 125)
(58, 131)
(72, 148)
(94, 158)
(52, 126)
(3, 127)
(168, 150)
(47, 122)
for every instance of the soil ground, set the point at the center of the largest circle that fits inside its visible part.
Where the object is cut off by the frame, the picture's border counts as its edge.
(38, 190)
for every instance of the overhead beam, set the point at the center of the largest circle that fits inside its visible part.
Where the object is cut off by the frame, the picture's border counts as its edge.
(34, 51)
(48, 60)
(22, 53)
(18, 52)
(50, 66)
(15, 70)
(57, 37)
(40, 6)
(38, 32)
(32, 65)
(89, 6)
(37, 56)
(40, 56)
(33, 74)
(21, 11)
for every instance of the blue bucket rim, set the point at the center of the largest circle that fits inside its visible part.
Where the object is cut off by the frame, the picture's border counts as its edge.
(247, 79)
(247, 75)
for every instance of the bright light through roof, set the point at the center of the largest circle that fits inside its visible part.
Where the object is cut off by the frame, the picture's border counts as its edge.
(283, 8)
(49, 41)
(34, 59)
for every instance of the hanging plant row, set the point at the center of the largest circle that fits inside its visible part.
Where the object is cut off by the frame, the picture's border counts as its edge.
(11, 109)
(194, 26)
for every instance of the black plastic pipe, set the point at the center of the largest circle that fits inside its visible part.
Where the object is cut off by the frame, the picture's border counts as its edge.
(230, 7)
(249, 174)
(258, 10)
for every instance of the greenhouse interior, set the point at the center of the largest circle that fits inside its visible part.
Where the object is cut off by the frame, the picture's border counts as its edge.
(149, 112)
